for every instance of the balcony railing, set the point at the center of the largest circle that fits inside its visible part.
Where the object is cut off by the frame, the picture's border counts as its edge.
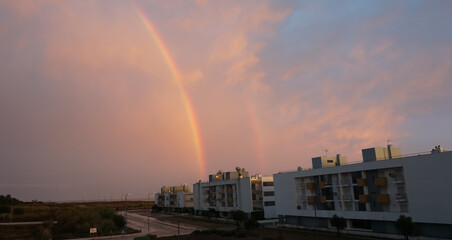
(363, 198)
(401, 197)
(347, 198)
(399, 178)
(345, 182)
(383, 198)
(381, 181)
(311, 200)
(361, 182)
(310, 186)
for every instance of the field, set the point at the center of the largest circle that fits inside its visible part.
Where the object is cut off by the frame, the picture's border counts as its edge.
(73, 219)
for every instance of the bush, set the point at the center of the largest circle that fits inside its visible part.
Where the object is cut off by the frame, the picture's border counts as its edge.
(339, 223)
(225, 233)
(107, 226)
(119, 221)
(18, 211)
(147, 237)
(239, 216)
(258, 215)
(251, 224)
(406, 226)
(5, 209)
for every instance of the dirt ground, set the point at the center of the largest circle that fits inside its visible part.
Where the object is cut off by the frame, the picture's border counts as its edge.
(271, 234)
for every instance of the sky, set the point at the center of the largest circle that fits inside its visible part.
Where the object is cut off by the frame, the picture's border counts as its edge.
(103, 98)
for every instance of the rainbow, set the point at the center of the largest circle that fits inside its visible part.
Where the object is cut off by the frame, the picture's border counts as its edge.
(177, 77)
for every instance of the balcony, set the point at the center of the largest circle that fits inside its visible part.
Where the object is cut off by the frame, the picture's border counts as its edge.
(345, 182)
(311, 200)
(398, 178)
(383, 198)
(310, 186)
(401, 197)
(381, 182)
(347, 198)
(363, 198)
(361, 182)
(257, 203)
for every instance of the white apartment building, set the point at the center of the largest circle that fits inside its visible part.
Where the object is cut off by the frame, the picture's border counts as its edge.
(371, 195)
(228, 191)
(268, 195)
(174, 198)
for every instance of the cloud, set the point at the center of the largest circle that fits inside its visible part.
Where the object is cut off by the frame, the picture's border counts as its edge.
(87, 98)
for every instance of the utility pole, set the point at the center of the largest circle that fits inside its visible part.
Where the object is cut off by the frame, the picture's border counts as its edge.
(149, 209)
(316, 225)
(125, 198)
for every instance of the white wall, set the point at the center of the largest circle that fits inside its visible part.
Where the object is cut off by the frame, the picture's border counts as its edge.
(428, 186)
(242, 196)
(269, 211)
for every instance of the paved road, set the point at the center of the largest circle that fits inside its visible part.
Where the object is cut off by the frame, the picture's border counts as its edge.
(158, 227)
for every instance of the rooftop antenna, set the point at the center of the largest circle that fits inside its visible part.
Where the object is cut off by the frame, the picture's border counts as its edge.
(389, 141)
(326, 152)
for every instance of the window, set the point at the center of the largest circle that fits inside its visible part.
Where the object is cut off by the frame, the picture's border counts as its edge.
(268, 184)
(269, 193)
(329, 161)
(271, 203)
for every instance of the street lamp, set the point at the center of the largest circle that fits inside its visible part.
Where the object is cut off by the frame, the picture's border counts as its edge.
(125, 199)
(149, 208)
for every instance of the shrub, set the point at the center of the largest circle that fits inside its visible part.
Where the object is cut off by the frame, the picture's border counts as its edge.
(147, 237)
(339, 223)
(119, 221)
(5, 209)
(240, 235)
(226, 233)
(268, 238)
(406, 226)
(251, 224)
(239, 216)
(18, 211)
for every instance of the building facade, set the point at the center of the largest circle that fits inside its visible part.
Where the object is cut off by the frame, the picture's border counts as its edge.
(175, 198)
(371, 195)
(229, 191)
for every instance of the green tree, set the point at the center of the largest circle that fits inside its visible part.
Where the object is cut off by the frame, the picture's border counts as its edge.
(239, 216)
(8, 200)
(119, 221)
(339, 223)
(405, 226)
